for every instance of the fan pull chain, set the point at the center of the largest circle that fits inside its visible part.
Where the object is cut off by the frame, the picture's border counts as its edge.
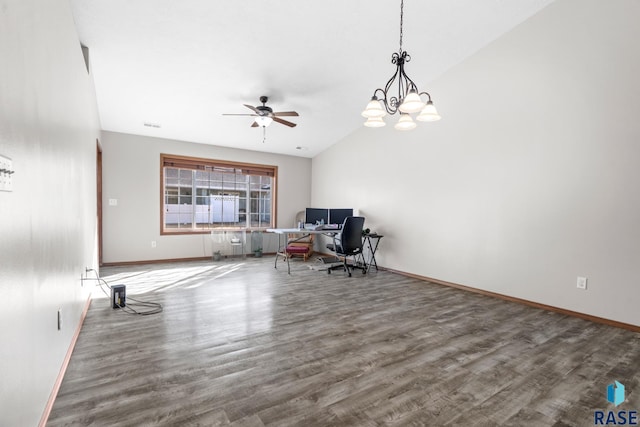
(264, 134)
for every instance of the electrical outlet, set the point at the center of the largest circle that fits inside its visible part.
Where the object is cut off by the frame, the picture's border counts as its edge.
(153, 243)
(581, 283)
(6, 170)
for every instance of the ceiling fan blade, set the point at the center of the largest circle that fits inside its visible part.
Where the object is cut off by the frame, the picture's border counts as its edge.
(247, 114)
(251, 107)
(254, 125)
(286, 113)
(284, 122)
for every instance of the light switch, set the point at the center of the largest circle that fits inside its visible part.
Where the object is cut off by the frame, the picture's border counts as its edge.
(581, 283)
(113, 202)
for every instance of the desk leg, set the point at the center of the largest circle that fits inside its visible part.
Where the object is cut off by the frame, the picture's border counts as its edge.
(372, 251)
(275, 263)
(285, 254)
(282, 250)
(373, 254)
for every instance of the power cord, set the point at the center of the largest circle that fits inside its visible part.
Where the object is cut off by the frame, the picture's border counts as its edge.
(155, 307)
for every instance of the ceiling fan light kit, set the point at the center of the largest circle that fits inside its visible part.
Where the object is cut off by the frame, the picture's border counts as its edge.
(263, 121)
(408, 100)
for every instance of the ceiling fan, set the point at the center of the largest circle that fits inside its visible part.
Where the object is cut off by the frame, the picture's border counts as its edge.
(264, 115)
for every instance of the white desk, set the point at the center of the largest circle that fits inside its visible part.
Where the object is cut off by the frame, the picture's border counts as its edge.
(301, 233)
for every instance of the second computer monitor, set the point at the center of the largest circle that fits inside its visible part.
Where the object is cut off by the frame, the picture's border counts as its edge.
(337, 216)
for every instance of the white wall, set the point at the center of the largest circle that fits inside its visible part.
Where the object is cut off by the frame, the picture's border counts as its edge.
(48, 126)
(131, 171)
(529, 180)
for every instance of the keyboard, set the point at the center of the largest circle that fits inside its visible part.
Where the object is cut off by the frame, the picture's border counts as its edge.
(329, 227)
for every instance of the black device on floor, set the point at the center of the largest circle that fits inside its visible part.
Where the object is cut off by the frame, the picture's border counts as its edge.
(118, 295)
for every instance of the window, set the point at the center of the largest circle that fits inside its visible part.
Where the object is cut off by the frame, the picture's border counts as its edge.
(199, 195)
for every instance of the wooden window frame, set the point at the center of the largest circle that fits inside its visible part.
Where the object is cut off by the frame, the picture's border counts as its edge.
(201, 164)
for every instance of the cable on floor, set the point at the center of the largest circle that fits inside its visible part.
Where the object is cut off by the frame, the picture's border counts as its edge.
(149, 308)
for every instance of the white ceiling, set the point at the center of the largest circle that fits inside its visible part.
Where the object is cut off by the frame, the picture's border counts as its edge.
(181, 64)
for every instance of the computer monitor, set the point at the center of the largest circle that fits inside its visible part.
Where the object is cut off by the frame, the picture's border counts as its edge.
(337, 216)
(316, 215)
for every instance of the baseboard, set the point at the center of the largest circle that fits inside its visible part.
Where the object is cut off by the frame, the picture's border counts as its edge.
(596, 319)
(170, 260)
(153, 261)
(63, 369)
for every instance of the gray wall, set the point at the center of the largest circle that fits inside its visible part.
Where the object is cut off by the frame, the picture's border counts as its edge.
(131, 171)
(529, 180)
(49, 127)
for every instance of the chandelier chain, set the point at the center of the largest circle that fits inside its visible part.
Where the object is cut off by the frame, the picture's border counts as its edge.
(401, 16)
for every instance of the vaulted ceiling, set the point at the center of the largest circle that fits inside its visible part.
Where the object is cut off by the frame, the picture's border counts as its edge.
(170, 69)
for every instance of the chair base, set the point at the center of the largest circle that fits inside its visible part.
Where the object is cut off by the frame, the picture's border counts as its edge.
(342, 264)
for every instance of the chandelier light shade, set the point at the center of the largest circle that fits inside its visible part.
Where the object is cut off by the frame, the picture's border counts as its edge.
(428, 113)
(406, 100)
(412, 103)
(405, 122)
(374, 122)
(374, 109)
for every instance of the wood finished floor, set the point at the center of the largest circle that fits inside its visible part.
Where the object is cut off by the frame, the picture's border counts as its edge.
(240, 343)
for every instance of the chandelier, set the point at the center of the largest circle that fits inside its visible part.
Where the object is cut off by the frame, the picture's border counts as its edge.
(408, 99)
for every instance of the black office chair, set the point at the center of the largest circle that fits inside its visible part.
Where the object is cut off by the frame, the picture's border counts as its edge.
(348, 244)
